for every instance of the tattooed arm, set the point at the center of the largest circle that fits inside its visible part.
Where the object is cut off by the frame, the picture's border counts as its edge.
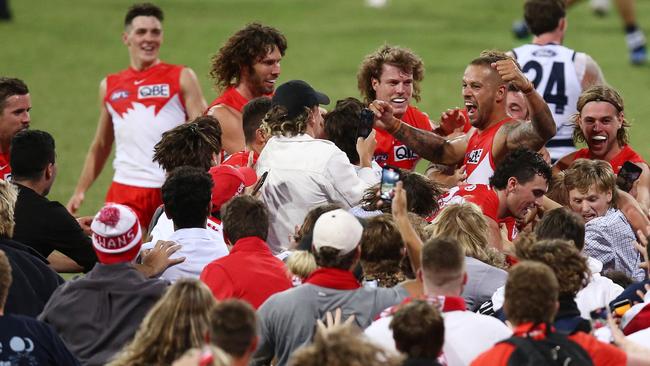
(428, 145)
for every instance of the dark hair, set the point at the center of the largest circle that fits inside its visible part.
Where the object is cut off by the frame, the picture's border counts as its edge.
(562, 256)
(381, 251)
(252, 116)
(341, 126)
(145, 10)
(329, 257)
(191, 144)
(562, 223)
(373, 64)
(307, 228)
(443, 260)
(186, 195)
(234, 326)
(10, 87)
(245, 216)
(522, 164)
(421, 195)
(244, 49)
(543, 16)
(418, 330)
(30, 153)
(5, 278)
(531, 293)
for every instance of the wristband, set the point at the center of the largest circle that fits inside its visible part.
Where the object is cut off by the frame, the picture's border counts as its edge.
(530, 90)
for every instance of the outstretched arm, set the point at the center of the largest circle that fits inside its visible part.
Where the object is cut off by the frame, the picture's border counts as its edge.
(97, 155)
(427, 144)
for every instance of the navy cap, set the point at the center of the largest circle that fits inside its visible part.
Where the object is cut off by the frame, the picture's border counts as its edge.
(295, 95)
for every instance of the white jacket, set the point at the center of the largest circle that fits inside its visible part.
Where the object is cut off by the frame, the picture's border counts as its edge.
(304, 173)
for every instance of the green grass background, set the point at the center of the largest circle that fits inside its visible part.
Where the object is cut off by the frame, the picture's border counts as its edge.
(63, 48)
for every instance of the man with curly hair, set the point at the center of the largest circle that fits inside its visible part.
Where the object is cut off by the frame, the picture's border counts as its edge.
(247, 66)
(138, 105)
(393, 74)
(600, 123)
(484, 89)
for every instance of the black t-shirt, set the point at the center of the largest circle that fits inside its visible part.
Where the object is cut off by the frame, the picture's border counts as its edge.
(47, 226)
(33, 280)
(28, 342)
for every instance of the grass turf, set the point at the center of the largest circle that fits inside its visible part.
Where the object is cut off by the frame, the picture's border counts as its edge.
(63, 48)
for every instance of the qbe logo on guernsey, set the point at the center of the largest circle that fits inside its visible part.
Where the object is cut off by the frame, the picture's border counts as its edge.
(153, 91)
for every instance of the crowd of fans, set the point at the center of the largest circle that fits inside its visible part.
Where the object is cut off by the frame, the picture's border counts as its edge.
(269, 230)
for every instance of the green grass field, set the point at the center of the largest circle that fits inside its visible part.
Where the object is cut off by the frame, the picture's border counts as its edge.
(63, 48)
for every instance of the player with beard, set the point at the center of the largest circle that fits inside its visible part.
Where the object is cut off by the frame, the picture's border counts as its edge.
(601, 124)
(393, 74)
(246, 67)
(138, 105)
(15, 105)
(485, 86)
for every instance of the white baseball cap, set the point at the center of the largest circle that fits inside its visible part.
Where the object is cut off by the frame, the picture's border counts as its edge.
(337, 229)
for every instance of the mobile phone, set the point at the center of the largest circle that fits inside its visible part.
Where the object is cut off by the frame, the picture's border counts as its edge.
(389, 178)
(628, 174)
(598, 318)
(259, 183)
(366, 121)
(620, 307)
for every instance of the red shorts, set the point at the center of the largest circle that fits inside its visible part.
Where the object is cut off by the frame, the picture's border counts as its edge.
(144, 201)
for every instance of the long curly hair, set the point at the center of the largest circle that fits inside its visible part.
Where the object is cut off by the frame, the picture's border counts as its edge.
(180, 320)
(601, 93)
(193, 144)
(244, 49)
(372, 67)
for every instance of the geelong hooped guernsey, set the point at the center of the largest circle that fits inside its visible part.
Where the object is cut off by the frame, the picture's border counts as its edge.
(556, 72)
(143, 105)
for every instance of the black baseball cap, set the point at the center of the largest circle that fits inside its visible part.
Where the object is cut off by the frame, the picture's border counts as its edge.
(295, 95)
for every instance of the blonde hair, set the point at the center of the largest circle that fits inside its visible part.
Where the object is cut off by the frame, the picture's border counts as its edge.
(277, 122)
(8, 196)
(466, 224)
(601, 93)
(343, 345)
(301, 263)
(180, 320)
(584, 173)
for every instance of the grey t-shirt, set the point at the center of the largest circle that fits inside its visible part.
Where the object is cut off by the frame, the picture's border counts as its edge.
(288, 319)
(482, 281)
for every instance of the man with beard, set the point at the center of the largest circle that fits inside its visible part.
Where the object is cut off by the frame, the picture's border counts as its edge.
(393, 74)
(485, 86)
(138, 105)
(601, 124)
(15, 105)
(246, 67)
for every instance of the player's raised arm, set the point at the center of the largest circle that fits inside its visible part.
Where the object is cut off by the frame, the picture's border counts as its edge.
(427, 144)
(97, 154)
(535, 134)
(195, 103)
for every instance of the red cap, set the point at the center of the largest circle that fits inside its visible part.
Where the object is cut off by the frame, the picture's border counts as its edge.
(229, 182)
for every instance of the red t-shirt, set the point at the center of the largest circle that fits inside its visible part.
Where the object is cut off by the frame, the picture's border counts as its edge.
(250, 272)
(602, 354)
(231, 98)
(626, 154)
(5, 168)
(392, 151)
(240, 158)
(479, 161)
